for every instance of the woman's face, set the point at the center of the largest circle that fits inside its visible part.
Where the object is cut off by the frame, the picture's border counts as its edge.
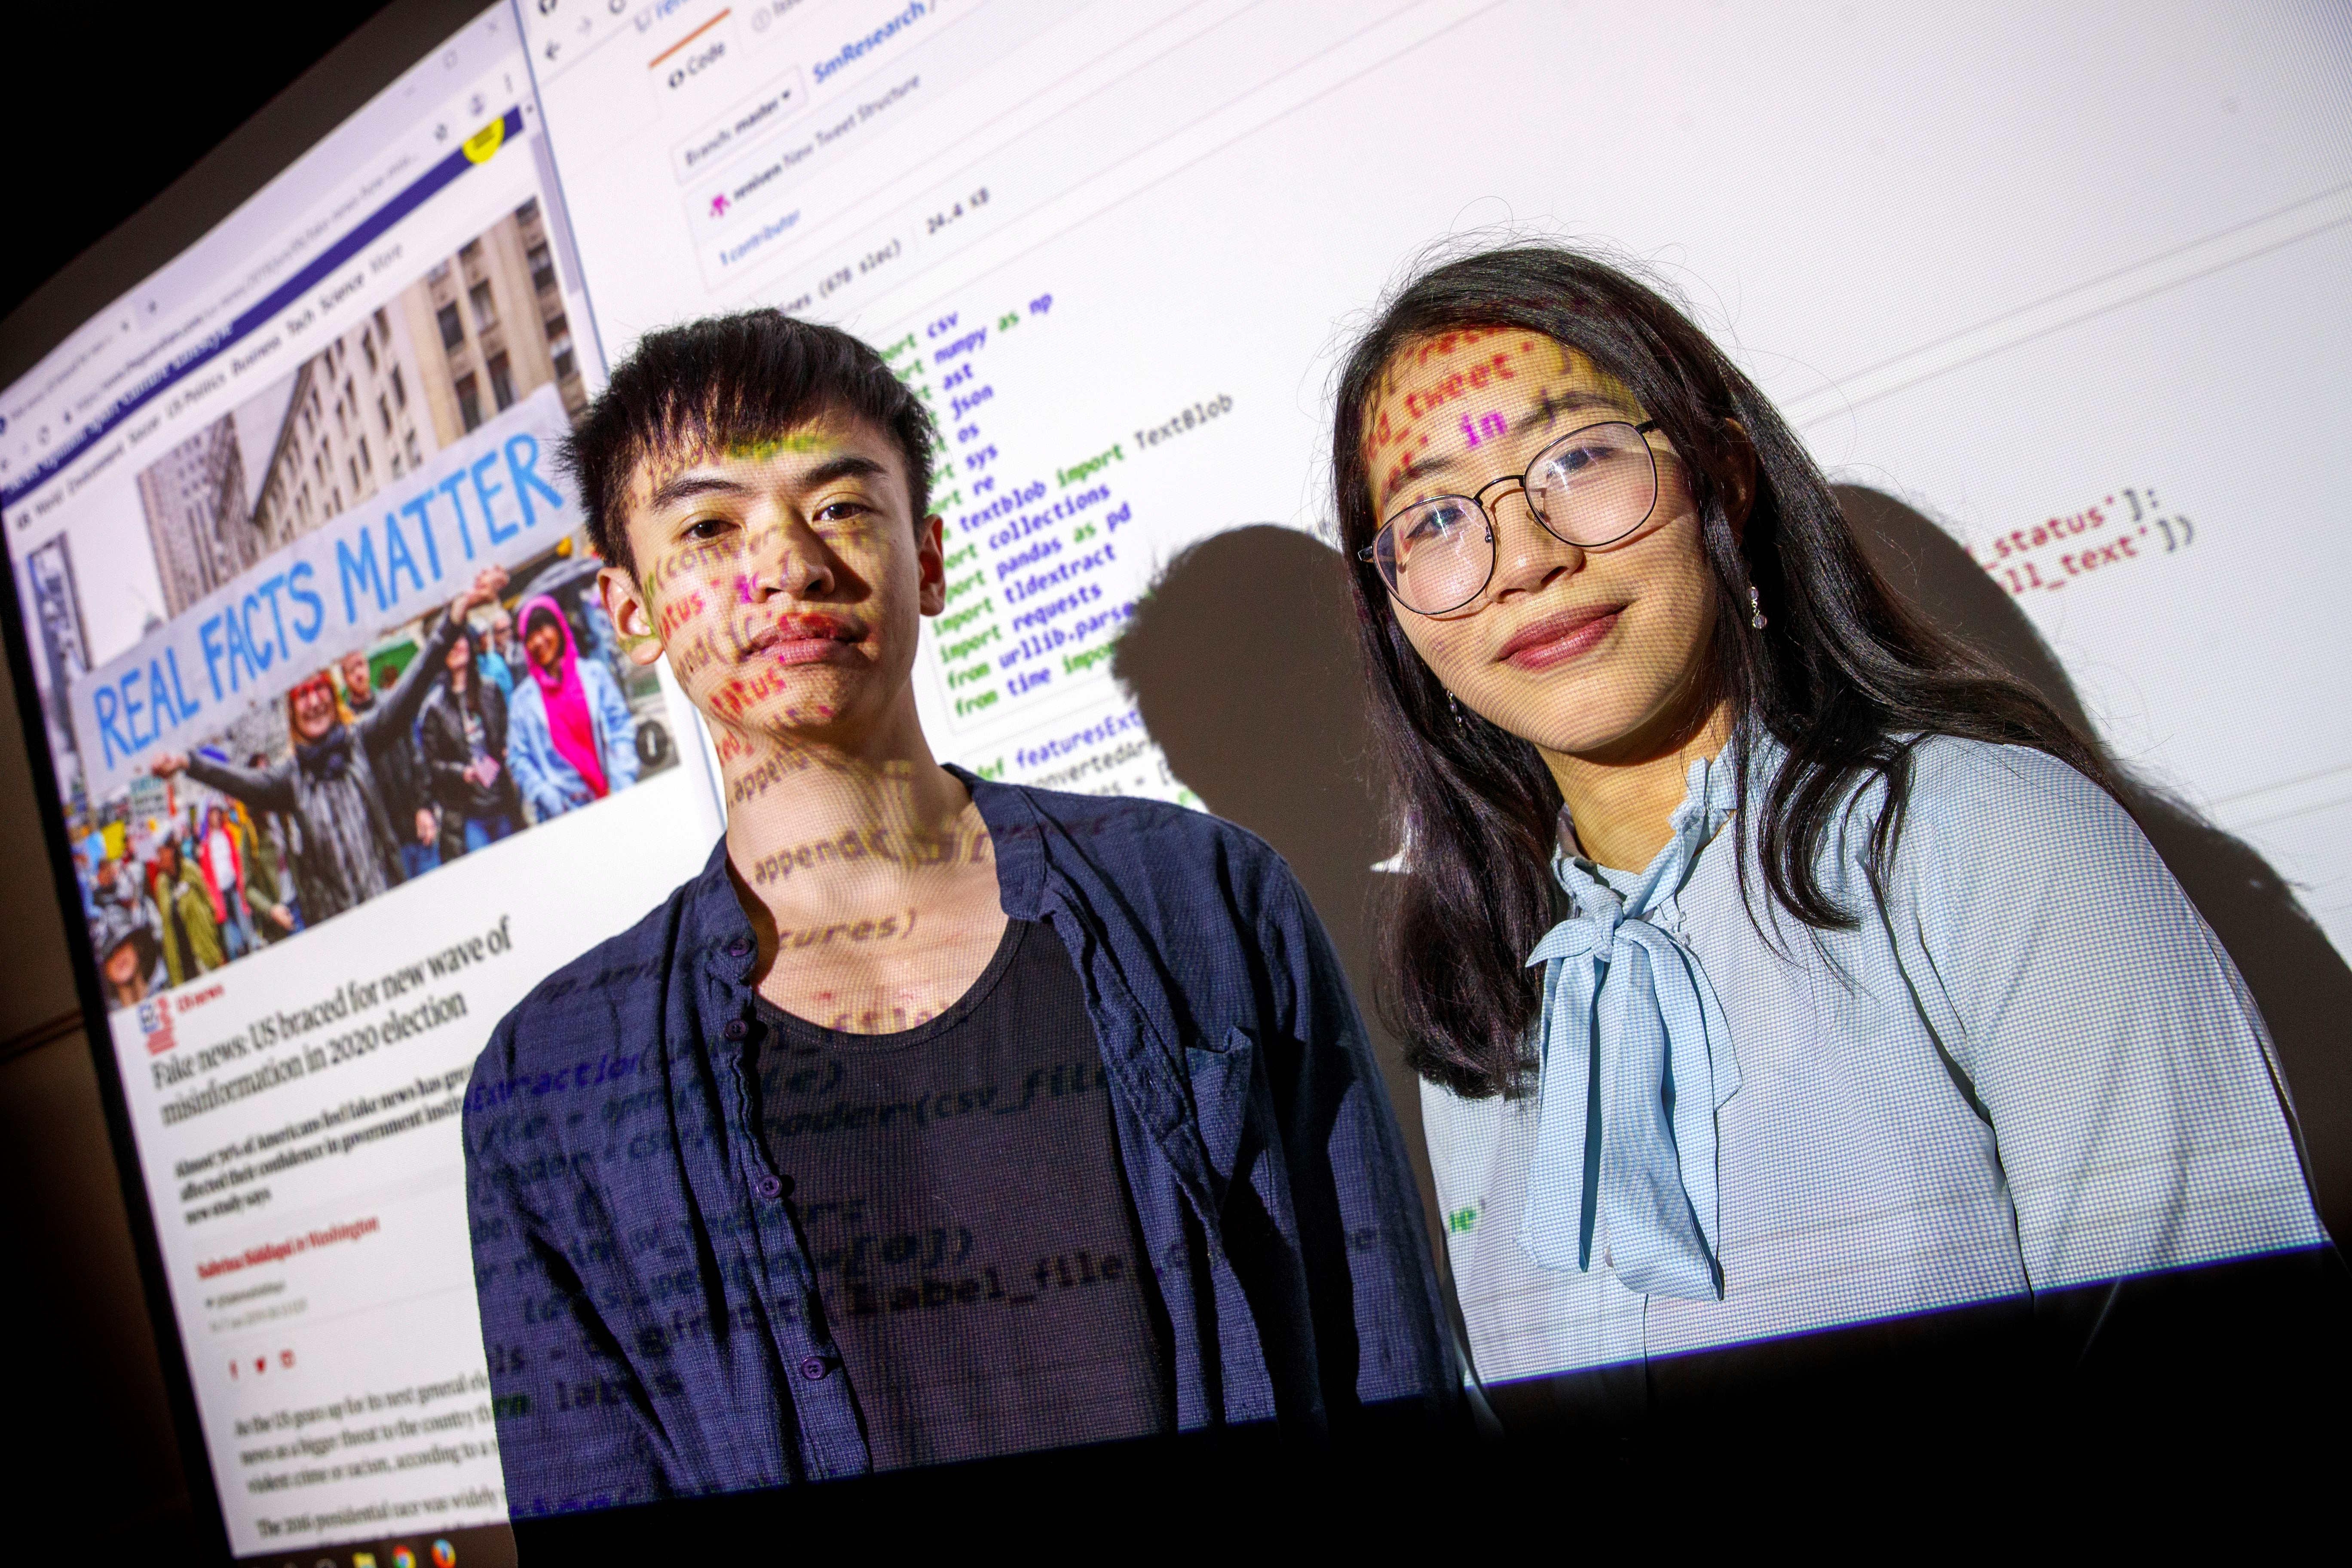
(314, 710)
(460, 657)
(1596, 653)
(544, 642)
(122, 963)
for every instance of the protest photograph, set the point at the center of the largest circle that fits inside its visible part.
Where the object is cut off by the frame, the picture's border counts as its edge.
(236, 800)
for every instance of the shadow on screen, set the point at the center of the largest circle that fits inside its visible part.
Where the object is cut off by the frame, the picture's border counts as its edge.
(1242, 663)
(2299, 981)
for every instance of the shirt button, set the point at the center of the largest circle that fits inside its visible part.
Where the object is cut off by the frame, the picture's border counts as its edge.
(771, 1187)
(740, 946)
(812, 1367)
(735, 1030)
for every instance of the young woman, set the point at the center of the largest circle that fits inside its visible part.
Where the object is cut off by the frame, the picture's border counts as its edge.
(1772, 964)
(463, 729)
(570, 736)
(222, 859)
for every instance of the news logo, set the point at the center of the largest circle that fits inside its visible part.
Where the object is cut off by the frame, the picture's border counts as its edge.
(156, 1021)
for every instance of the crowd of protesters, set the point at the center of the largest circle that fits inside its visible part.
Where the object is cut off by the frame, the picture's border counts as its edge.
(483, 733)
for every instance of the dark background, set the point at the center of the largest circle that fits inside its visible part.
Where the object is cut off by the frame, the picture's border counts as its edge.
(112, 102)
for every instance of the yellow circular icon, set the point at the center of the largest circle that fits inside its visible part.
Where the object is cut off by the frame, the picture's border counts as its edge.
(487, 141)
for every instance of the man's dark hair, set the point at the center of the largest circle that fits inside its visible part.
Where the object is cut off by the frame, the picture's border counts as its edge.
(727, 380)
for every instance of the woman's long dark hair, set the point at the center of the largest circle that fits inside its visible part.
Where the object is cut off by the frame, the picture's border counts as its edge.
(1844, 676)
(472, 696)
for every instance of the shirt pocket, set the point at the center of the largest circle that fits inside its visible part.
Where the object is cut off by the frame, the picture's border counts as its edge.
(1225, 1095)
(1239, 1130)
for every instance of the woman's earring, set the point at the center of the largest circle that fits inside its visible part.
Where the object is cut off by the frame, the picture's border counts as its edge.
(1460, 717)
(1755, 607)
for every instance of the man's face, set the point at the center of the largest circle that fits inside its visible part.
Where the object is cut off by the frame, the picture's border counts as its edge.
(784, 579)
(167, 859)
(501, 630)
(356, 678)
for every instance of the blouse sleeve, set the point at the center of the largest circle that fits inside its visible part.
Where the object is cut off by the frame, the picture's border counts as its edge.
(2141, 1116)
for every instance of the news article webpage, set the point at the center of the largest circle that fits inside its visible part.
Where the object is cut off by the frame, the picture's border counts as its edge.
(2006, 268)
(247, 502)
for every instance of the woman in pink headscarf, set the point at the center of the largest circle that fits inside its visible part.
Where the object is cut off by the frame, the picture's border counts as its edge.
(569, 737)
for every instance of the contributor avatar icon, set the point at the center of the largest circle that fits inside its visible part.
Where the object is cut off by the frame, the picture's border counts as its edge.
(443, 1554)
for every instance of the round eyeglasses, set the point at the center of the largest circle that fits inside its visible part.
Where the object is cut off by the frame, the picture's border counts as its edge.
(1592, 486)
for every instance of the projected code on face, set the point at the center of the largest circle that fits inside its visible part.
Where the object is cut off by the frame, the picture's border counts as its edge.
(1035, 584)
(2130, 524)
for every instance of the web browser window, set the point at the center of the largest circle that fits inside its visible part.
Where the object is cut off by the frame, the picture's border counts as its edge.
(1115, 243)
(2057, 289)
(244, 507)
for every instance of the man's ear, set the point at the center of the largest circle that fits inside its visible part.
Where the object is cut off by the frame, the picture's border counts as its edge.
(633, 617)
(1736, 505)
(931, 564)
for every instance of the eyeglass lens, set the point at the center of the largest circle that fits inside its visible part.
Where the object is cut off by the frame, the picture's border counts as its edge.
(1592, 488)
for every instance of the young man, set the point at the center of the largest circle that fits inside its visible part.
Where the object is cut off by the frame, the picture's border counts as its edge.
(937, 1119)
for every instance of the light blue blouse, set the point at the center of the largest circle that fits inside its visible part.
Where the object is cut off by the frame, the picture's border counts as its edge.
(2031, 1066)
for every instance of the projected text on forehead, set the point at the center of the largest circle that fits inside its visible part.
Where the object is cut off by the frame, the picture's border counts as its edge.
(1444, 398)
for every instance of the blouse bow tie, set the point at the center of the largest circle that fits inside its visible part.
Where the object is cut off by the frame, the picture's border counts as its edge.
(1637, 1060)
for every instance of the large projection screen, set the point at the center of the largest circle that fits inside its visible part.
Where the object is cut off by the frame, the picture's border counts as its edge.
(2057, 291)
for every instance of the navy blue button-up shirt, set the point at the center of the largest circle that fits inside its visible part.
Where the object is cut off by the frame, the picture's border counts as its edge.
(648, 1304)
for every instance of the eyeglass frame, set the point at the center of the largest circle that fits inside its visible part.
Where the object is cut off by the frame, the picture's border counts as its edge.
(1367, 554)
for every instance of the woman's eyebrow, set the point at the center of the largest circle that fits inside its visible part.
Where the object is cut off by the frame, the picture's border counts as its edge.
(1549, 405)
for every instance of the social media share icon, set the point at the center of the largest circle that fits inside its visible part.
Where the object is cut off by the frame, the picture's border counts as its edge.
(443, 1554)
